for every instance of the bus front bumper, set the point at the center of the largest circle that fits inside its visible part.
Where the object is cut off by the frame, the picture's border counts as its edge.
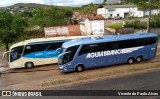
(65, 69)
(15, 65)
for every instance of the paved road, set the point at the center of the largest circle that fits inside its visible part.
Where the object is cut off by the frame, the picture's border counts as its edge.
(143, 81)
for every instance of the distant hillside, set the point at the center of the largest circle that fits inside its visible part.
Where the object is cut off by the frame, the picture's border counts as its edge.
(84, 9)
(34, 5)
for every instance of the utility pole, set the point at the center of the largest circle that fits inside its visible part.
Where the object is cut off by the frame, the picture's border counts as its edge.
(149, 18)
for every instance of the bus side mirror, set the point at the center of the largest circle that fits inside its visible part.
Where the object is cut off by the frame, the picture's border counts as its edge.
(59, 50)
(4, 54)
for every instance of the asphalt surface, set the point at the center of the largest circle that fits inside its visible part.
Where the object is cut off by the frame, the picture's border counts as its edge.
(144, 81)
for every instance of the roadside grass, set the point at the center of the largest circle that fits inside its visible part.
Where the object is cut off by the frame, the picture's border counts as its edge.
(99, 73)
(117, 25)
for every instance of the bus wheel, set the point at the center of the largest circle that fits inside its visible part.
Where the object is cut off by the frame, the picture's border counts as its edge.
(79, 68)
(130, 60)
(29, 65)
(139, 59)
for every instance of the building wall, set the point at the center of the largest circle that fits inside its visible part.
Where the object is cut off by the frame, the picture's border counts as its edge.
(70, 30)
(85, 27)
(115, 11)
(101, 11)
(121, 30)
(92, 27)
(82, 28)
(97, 27)
(106, 13)
(141, 13)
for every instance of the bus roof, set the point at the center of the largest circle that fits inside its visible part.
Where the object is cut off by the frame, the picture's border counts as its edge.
(90, 40)
(38, 40)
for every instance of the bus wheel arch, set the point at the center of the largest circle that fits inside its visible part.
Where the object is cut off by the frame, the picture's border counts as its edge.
(130, 60)
(139, 58)
(79, 68)
(29, 64)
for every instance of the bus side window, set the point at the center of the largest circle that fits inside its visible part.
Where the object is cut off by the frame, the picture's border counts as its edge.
(151, 40)
(87, 49)
(114, 45)
(29, 49)
(56, 45)
(42, 47)
(101, 47)
(136, 42)
(109, 45)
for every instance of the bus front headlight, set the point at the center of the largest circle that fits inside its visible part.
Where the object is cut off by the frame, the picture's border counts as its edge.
(61, 67)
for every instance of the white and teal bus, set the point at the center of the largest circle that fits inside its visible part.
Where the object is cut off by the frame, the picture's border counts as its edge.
(93, 52)
(35, 52)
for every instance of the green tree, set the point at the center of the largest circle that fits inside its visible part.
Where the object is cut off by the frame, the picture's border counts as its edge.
(11, 28)
(52, 16)
(38, 17)
(104, 1)
(155, 21)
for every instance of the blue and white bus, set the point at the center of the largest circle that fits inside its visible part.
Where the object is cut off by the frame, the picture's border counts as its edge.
(93, 52)
(35, 52)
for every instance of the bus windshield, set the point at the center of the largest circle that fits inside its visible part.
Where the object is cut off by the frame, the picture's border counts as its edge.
(16, 53)
(67, 55)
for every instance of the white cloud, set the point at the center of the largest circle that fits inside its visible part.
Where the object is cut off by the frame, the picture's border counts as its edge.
(4, 3)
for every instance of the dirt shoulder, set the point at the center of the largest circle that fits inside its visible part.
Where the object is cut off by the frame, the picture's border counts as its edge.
(3, 62)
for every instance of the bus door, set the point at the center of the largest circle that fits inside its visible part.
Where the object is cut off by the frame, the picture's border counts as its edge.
(86, 55)
(153, 47)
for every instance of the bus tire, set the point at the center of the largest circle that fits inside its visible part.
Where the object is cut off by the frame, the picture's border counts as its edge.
(130, 60)
(29, 65)
(79, 68)
(139, 59)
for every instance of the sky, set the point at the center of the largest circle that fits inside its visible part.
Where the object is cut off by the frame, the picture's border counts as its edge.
(4, 3)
